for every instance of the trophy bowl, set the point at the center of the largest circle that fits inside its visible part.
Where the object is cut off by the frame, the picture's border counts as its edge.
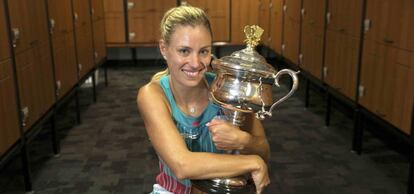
(243, 86)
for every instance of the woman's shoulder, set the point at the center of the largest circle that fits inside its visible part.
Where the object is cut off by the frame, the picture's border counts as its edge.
(151, 90)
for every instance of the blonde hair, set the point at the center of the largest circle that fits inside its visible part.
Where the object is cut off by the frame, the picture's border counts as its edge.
(183, 15)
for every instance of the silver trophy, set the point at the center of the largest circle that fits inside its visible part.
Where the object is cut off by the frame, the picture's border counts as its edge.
(243, 86)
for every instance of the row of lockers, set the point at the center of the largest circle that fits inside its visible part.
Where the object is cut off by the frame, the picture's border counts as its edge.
(46, 47)
(136, 22)
(361, 48)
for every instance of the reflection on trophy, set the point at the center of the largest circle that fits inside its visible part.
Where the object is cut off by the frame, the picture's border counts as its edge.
(243, 86)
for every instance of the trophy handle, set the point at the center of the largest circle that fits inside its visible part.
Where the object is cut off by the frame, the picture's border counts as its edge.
(261, 114)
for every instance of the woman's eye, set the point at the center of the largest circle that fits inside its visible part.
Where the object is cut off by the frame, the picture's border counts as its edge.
(184, 51)
(205, 52)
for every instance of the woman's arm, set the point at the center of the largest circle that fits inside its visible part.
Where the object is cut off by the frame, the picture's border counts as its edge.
(248, 139)
(171, 147)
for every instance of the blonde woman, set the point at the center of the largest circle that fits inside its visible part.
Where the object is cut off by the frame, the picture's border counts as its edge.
(179, 117)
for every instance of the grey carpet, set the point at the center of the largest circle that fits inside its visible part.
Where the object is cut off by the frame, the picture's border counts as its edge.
(110, 152)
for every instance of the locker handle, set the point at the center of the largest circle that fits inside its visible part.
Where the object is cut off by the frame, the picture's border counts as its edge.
(25, 114)
(58, 87)
(130, 5)
(325, 71)
(52, 25)
(16, 36)
(132, 35)
(361, 91)
(328, 17)
(75, 16)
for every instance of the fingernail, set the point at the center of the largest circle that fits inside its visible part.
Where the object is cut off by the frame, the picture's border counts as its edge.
(208, 124)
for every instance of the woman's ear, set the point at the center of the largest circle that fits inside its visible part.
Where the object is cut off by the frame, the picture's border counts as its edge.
(163, 48)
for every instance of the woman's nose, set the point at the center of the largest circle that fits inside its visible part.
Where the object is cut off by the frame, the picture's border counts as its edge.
(195, 61)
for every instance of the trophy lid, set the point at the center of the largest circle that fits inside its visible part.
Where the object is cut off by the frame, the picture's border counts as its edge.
(247, 59)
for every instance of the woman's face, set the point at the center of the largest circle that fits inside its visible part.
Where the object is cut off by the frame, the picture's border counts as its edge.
(188, 54)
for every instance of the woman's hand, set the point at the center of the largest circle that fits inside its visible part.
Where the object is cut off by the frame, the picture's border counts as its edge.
(227, 136)
(261, 176)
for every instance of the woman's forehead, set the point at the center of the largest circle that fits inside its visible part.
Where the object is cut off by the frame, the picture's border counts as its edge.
(186, 35)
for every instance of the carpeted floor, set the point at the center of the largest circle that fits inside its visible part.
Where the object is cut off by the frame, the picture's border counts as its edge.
(109, 151)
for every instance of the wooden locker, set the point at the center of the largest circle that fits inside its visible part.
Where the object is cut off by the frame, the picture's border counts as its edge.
(292, 10)
(60, 16)
(387, 83)
(276, 28)
(218, 12)
(84, 49)
(291, 30)
(341, 61)
(390, 22)
(81, 13)
(27, 85)
(64, 55)
(144, 18)
(246, 12)
(114, 21)
(99, 41)
(312, 50)
(312, 38)
(45, 80)
(345, 16)
(83, 36)
(20, 14)
(372, 75)
(313, 13)
(63, 45)
(402, 79)
(33, 61)
(9, 121)
(97, 10)
(4, 37)
(264, 21)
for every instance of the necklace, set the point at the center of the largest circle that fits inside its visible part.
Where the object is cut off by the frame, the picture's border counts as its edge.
(192, 110)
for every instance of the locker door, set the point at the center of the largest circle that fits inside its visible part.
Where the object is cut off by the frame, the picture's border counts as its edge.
(144, 18)
(4, 37)
(291, 30)
(114, 21)
(263, 22)
(83, 36)
(245, 13)
(64, 51)
(391, 22)
(313, 23)
(219, 15)
(99, 41)
(276, 28)
(84, 49)
(341, 61)
(20, 14)
(345, 16)
(9, 123)
(97, 10)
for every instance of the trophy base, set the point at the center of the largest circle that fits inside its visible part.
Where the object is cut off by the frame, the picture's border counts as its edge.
(238, 185)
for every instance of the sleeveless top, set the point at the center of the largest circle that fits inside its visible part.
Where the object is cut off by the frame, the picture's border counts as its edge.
(193, 130)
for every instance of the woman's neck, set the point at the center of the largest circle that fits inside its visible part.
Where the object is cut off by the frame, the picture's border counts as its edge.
(191, 100)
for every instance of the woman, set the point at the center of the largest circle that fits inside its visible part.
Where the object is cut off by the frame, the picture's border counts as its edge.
(179, 117)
